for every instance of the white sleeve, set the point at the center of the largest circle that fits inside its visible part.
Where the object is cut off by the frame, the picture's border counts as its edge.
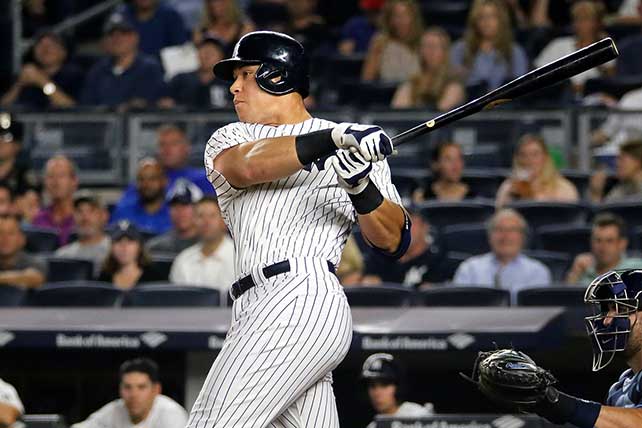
(463, 274)
(223, 138)
(101, 418)
(173, 415)
(175, 273)
(9, 395)
(380, 176)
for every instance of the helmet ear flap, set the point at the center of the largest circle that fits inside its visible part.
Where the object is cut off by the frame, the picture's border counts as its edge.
(274, 80)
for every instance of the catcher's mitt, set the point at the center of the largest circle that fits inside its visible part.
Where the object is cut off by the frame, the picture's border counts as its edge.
(512, 379)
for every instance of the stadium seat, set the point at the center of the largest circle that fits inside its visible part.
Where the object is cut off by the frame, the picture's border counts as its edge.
(451, 262)
(483, 156)
(571, 240)
(67, 269)
(579, 178)
(406, 180)
(162, 263)
(165, 294)
(11, 296)
(557, 263)
(560, 295)
(76, 293)
(441, 214)
(40, 239)
(546, 213)
(615, 86)
(631, 212)
(465, 238)
(380, 295)
(454, 295)
(483, 182)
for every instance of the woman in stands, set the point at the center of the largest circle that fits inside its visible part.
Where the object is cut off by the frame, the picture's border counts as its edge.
(487, 53)
(127, 263)
(392, 55)
(588, 28)
(224, 20)
(447, 165)
(534, 176)
(435, 86)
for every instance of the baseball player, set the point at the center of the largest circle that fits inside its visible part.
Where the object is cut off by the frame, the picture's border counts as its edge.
(385, 379)
(290, 187)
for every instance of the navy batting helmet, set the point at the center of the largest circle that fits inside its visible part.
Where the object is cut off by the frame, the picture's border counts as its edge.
(283, 64)
(381, 367)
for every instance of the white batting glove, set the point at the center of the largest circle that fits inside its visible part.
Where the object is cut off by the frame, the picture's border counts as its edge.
(369, 140)
(352, 171)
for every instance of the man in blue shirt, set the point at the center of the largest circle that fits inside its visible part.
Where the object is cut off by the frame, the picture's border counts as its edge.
(126, 79)
(148, 209)
(158, 24)
(505, 266)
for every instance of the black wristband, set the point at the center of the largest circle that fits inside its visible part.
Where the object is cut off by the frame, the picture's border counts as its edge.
(315, 145)
(561, 408)
(368, 200)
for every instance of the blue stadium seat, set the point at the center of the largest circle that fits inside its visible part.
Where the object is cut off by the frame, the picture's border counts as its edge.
(465, 238)
(631, 212)
(484, 156)
(557, 263)
(40, 239)
(381, 295)
(560, 295)
(441, 214)
(67, 269)
(76, 293)
(451, 262)
(483, 182)
(406, 180)
(454, 295)
(163, 264)
(165, 294)
(546, 213)
(564, 239)
(11, 296)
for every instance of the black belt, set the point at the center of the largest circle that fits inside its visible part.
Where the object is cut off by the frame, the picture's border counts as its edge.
(245, 283)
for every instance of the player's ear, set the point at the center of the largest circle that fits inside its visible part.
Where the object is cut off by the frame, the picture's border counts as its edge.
(157, 387)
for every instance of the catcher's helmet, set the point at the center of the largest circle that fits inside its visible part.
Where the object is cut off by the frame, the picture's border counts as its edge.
(614, 296)
(283, 64)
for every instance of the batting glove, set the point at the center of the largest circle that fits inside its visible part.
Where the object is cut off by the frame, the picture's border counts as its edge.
(352, 171)
(369, 140)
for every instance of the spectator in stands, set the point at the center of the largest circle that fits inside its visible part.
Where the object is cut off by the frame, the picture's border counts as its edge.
(307, 26)
(11, 407)
(629, 174)
(351, 265)
(61, 181)
(157, 23)
(200, 89)
(210, 262)
(447, 165)
(629, 13)
(173, 151)
(393, 52)
(127, 263)
(357, 32)
(14, 173)
(487, 53)
(49, 80)
(126, 78)
(93, 243)
(148, 209)
(588, 28)
(608, 251)
(505, 266)
(629, 62)
(419, 267)
(141, 403)
(18, 268)
(183, 233)
(534, 176)
(27, 205)
(435, 86)
(618, 128)
(223, 19)
(6, 200)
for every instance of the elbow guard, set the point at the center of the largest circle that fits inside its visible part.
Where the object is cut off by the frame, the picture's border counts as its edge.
(404, 243)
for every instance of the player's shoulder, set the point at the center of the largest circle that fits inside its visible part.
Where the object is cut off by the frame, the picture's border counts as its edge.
(164, 403)
(627, 391)
(410, 409)
(232, 130)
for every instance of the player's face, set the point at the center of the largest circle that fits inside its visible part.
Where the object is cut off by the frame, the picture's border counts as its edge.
(252, 104)
(634, 342)
(450, 164)
(138, 392)
(209, 222)
(90, 219)
(173, 149)
(382, 397)
(627, 167)
(607, 246)
(126, 250)
(507, 237)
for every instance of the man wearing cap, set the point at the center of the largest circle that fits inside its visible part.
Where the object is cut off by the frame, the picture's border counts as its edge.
(200, 88)
(127, 78)
(11, 407)
(49, 81)
(181, 200)
(18, 268)
(93, 243)
(15, 174)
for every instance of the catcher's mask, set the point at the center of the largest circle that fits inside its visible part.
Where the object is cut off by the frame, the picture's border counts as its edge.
(614, 297)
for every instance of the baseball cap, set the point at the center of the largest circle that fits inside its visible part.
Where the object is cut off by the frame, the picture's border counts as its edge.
(117, 21)
(213, 40)
(10, 130)
(184, 192)
(124, 229)
(86, 196)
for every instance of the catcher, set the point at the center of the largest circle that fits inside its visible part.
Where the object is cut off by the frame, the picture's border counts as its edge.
(513, 380)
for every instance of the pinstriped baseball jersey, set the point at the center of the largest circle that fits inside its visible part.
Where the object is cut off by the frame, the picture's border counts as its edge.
(304, 215)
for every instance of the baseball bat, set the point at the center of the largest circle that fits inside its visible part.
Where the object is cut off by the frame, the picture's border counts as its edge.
(547, 75)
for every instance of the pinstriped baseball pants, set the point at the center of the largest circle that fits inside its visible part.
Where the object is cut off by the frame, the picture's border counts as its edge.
(287, 334)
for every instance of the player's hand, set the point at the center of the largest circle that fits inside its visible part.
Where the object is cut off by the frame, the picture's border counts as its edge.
(369, 140)
(352, 171)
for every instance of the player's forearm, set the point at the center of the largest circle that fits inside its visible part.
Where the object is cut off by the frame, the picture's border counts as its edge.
(618, 417)
(382, 227)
